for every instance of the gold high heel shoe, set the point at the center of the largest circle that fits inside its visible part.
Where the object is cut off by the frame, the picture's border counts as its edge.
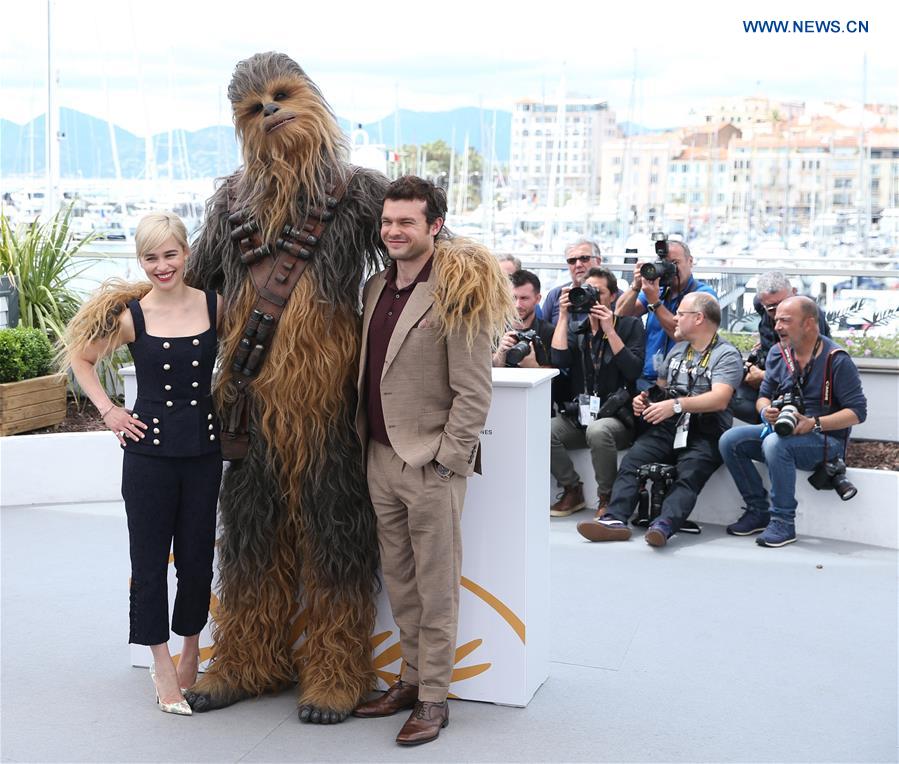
(179, 707)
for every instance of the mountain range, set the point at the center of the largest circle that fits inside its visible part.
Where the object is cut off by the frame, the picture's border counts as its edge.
(86, 148)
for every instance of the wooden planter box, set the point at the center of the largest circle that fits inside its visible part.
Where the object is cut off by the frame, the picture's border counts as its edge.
(34, 403)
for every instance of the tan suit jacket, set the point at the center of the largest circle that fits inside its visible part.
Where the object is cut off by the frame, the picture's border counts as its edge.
(435, 393)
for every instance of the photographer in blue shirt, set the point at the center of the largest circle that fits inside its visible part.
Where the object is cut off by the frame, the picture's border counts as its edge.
(810, 397)
(660, 297)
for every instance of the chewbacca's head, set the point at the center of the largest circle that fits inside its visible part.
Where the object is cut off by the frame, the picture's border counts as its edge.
(289, 135)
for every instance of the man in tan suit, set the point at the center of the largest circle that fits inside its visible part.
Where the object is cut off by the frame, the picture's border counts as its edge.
(424, 391)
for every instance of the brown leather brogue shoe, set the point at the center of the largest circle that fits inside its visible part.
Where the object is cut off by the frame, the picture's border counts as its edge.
(424, 724)
(400, 697)
(571, 501)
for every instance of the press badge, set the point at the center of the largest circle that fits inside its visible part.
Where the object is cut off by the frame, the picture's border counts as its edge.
(682, 430)
(594, 405)
(585, 409)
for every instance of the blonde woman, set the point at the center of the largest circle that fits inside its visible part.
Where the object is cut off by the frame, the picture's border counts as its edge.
(171, 468)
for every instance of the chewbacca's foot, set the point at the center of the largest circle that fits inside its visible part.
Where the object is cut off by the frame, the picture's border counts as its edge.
(210, 694)
(316, 715)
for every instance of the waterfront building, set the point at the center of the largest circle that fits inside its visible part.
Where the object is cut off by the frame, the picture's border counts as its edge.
(556, 148)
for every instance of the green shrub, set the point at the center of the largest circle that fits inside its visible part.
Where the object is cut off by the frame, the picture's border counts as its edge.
(24, 354)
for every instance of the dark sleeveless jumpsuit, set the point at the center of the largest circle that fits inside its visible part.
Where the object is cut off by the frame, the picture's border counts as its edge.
(171, 478)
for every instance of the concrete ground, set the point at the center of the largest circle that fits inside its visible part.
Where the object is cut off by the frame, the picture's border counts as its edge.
(712, 649)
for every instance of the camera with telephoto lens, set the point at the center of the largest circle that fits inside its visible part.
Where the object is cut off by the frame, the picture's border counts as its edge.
(661, 269)
(522, 346)
(583, 298)
(832, 474)
(790, 406)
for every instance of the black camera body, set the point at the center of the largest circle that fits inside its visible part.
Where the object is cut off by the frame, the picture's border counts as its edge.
(832, 474)
(790, 406)
(522, 346)
(753, 359)
(583, 298)
(656, 394)
(657, 472)
(618, 400)
(661, 269)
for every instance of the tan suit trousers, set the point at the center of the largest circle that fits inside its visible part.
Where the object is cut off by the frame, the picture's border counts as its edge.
(420, 536)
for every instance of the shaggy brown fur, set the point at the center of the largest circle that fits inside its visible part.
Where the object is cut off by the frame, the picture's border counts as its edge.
(296, 520)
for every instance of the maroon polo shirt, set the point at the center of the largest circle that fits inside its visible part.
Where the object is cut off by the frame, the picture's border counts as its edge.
(380, 329)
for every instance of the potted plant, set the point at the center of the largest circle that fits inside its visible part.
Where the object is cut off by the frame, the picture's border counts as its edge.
(30, 396)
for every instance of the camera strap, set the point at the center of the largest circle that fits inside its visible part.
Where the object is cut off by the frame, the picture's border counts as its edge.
(703, 364)
(827, 394)
(802, 376)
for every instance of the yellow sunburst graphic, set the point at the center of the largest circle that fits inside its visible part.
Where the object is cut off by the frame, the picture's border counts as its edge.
(393, 652)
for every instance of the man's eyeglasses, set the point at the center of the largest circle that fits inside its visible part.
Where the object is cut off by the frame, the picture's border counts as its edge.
(687, 312)
(771, 308)
(579, 259)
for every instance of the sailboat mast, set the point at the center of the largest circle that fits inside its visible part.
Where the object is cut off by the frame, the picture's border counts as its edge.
(51, 123)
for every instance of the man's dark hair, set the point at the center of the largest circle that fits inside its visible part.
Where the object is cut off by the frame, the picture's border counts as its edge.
(413, 188)
(604, 273)
(520, 278)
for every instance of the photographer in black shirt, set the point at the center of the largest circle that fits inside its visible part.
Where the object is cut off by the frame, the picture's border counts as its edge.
(605, 356)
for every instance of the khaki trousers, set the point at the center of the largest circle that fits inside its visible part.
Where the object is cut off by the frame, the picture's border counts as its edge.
(420, 536)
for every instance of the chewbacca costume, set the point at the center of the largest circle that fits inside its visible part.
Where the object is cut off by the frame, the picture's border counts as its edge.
(296, 520)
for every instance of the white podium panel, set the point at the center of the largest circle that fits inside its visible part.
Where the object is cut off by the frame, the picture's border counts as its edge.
(502, 650)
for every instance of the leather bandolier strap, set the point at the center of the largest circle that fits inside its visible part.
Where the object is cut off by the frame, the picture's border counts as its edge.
(275, 272)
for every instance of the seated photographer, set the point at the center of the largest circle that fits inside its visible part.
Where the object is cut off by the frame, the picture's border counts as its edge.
(658, 288)
(526, 345)
(687, 410)
(605, 356)
(772, 289)
(810, 397)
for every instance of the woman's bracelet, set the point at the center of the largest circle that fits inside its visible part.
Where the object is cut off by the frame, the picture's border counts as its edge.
(111, 407)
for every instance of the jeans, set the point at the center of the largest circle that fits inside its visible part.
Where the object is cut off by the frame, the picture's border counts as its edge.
(695, 465)
(741, 446)
(604, 437)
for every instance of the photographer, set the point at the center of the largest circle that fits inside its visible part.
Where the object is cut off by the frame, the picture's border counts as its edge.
(605, 356)
(580, 256)
(772, 289)
(819, 396)
(526, 345)
(687, 411)
(660, 297)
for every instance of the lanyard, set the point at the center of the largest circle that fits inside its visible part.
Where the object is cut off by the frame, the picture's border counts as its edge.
(791, 363)
(701, 366)
(596, 355)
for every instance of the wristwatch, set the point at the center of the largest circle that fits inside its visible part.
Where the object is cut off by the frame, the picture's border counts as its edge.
(817, 427)
(677, 407)
(444, 473)
(653, 307)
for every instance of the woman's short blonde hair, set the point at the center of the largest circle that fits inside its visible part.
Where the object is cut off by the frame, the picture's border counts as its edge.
(155, 228)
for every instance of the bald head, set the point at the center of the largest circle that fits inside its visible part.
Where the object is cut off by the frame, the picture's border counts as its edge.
(806, 306)
(796, 321)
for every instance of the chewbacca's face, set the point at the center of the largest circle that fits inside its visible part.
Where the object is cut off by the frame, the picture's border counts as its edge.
(273, 115)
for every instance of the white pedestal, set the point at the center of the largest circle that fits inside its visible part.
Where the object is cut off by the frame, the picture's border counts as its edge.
(502, 650)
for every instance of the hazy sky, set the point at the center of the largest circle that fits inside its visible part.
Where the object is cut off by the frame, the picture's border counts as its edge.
(152, 65)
